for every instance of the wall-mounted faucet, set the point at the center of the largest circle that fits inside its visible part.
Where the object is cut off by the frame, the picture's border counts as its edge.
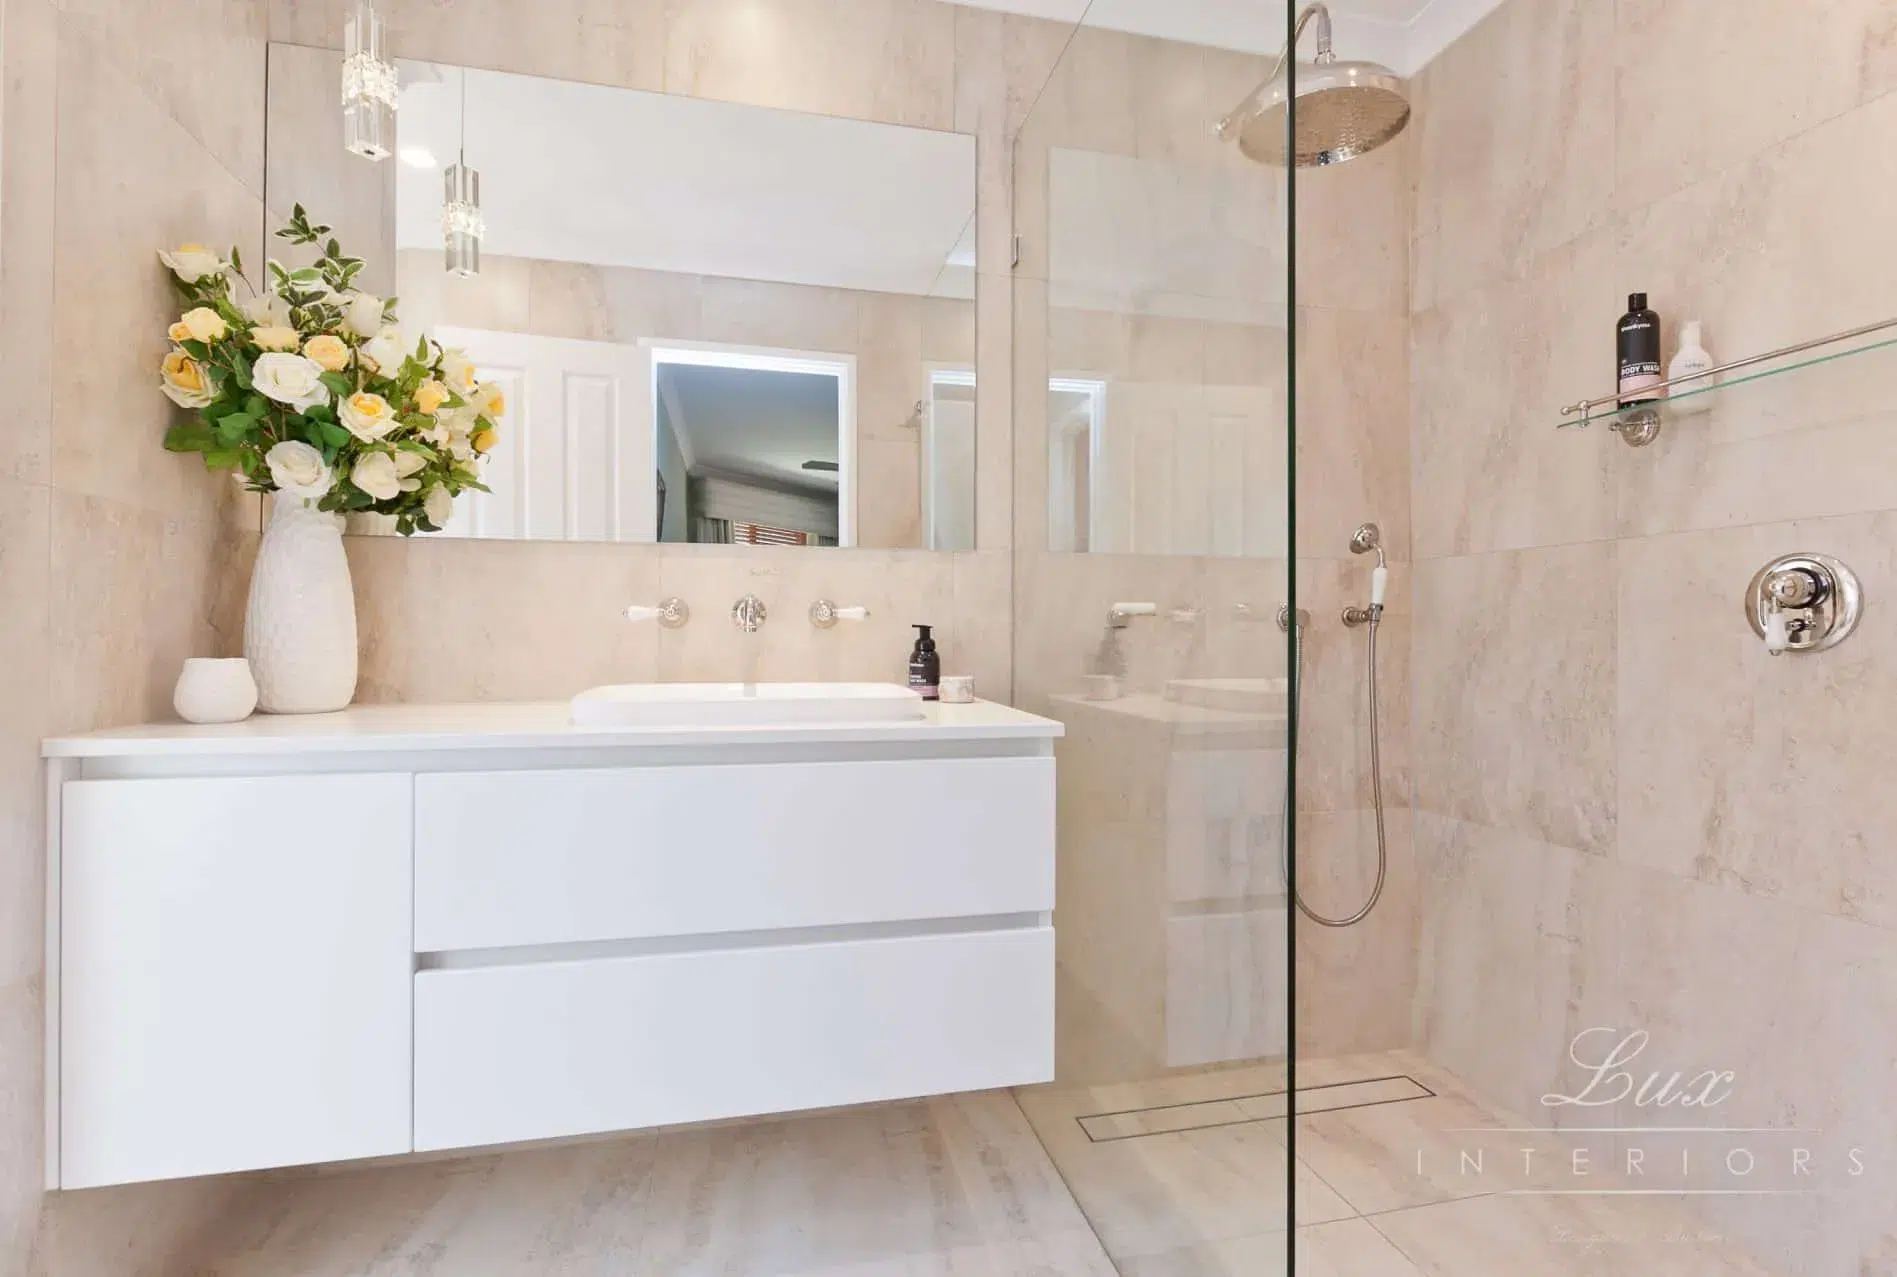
(824, 614)
(749, 614)
(672, 613)
(1121, 615)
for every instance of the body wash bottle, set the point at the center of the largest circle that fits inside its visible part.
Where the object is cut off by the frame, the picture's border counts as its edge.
(1638, 343)
(925, 665)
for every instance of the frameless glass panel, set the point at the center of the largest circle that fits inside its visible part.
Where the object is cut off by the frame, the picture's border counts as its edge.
(1152, 537)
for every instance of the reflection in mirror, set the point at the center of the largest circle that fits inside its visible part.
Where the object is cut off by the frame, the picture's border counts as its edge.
(1166, 415)
(713, 322)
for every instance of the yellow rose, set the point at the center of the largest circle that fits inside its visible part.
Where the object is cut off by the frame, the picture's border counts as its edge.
(429, 396)
(366, 416)
(183, 381)
(205, 324)
(329, 351)
(274, 338)
(178, 333)
(483, 440)
(489, 401)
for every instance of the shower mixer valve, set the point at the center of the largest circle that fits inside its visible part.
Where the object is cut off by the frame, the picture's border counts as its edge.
(1804, 603)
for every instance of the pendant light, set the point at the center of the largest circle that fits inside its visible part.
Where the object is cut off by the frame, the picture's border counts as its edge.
(462, 226)
(369, 84)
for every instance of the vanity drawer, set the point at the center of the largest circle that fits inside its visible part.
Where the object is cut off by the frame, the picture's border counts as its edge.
(545, 857)
(544, 1050)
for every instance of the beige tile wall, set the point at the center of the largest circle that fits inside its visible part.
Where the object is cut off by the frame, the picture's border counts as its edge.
(127, 127)
(1627, 813)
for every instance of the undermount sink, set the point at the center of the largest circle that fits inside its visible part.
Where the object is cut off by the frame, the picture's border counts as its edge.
(1234, 695)
(744, 704)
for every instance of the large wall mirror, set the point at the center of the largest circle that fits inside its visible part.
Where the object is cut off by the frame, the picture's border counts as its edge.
(713, 323)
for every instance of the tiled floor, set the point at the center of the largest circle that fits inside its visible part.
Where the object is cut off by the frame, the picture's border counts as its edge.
(1182, 1177)
(1405, 1176)
(955, 1187)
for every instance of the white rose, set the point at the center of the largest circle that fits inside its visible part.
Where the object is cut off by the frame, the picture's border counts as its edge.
(289, 379)
(374, 473)
(386, 350)
(298, 470)
(458, 371)
(408, 463)
(267, 310)
(192, 262)
(438, 506)
(362, 312)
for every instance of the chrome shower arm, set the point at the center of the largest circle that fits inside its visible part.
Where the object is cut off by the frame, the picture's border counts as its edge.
(1317, 11)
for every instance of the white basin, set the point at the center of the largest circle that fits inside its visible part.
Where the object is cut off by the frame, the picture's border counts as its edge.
(744, 704)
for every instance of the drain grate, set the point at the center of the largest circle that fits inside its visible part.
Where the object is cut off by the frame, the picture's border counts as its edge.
(1265, 1106)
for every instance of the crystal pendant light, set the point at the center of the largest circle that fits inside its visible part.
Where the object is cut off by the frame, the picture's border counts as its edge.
(462, 226)
(369, 85)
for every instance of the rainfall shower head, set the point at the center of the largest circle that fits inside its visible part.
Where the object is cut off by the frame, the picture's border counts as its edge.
(1344, 109)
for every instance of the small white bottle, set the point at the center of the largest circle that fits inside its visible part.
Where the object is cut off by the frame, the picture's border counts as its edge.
(1691, 359)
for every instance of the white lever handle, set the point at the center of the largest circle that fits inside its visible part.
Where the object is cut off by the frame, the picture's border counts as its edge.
(1379, 585)
(1778, 635)
(1135, 609)
(824, 614)
(672, 613)
(852, 614)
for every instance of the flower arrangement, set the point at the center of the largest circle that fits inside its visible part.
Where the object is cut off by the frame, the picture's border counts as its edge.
(311, 389)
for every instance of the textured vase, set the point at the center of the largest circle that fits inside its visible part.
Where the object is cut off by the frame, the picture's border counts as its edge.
(300, 627)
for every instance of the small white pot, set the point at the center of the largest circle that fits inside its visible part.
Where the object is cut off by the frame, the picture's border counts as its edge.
(215, 691)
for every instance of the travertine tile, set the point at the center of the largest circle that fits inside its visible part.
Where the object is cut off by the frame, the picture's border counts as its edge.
(1514, 671)
(1717, 784)
(1705, 83)
(937, 1188)
(1518, 942)
(26, 638)
(886, 60)
(1355, 984)
(1346, 1248)
(591, 40)
(1561, 1237)
(130, 181)
(1352, 430)
(1515, 147)
(29, 34)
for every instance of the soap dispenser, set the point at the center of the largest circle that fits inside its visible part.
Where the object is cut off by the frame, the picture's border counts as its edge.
(925, 665)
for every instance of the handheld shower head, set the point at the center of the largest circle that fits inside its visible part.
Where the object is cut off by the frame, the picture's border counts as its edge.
(1344, 109)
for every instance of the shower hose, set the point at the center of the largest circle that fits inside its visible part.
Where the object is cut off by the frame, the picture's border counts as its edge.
(1376, 777)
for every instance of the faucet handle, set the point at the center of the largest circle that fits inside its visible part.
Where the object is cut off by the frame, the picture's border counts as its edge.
(672, 613)
(749, 614)
(824, 614)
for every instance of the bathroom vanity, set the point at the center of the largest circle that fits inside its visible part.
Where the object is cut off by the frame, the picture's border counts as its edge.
(402, 928)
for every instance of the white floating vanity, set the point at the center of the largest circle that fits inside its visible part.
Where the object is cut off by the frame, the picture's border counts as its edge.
(396, 929)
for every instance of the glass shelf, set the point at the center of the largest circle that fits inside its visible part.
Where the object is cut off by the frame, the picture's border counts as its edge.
(1640, 421)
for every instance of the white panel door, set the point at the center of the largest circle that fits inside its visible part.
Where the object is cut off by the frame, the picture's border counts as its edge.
(235, 974)
(576, 459)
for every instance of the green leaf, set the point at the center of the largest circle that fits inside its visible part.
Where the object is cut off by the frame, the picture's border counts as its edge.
(337, 383)
(223, 458)
(195, 348)
(334, 435)
(237, 263)
(240, 370)
(189, 436)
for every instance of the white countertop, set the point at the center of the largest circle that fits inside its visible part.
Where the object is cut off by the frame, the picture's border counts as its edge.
(532, 725)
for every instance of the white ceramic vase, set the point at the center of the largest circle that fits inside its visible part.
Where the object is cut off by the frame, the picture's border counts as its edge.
(300, 627)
